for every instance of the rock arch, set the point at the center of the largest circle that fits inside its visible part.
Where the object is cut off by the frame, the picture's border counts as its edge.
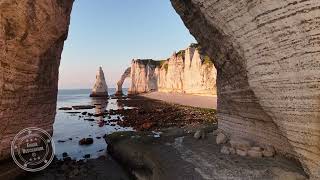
(266, 53)
(124, 76)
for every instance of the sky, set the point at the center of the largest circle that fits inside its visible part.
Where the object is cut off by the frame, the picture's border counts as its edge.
(110, 33)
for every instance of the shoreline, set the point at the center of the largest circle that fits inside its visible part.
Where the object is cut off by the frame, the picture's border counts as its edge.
(202, 101)
(164, 147)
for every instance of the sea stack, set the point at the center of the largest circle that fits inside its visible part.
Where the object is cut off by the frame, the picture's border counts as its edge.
(100, 88)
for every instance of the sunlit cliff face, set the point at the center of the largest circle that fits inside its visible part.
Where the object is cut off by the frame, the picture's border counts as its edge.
(266, 53)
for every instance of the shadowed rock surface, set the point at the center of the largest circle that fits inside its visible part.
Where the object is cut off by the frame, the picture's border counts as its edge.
(267, 57)
(266, 53)
(181, 157)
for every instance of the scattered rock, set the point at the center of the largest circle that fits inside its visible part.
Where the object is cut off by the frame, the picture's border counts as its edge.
(70, 139)
(199, 134)
(241, 152)
(225, 150)
(89, 119)
(84, 113)
(66, 159)
(83, 107)
(87, 156)
(255, 153)
(61, 141)
(65, 154)
(86, 141)
(98, 137)
(147, 125)
(268, 151)
(232, 150)
(221, 138)
(65, 108)
(239, 143)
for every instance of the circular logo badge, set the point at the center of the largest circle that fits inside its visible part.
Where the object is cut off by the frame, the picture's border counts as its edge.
(32, 149)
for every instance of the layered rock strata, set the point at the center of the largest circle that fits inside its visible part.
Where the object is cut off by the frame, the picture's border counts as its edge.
(100, 88)
(184, 72)
(32, 35)
(266, 53)
(267, 57)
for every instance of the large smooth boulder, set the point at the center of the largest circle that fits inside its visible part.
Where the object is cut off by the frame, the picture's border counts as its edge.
(267, 55)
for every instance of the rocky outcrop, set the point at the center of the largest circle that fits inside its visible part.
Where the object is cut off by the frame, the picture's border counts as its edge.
(100, 88)
(184, 72)
(267, 57)
(143, 76)
(124, 76)
(32, 35)
(188, 72)
(266, 53)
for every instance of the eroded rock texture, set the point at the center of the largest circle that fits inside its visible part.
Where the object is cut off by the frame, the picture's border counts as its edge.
(124, 76)
(32, 34)
(184, 72)
(267, 55)
(100, 88)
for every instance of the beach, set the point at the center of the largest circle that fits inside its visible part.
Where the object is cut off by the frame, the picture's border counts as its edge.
(159, 142)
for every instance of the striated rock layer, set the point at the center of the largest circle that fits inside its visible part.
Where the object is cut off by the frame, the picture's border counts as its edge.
(184, 72)
(267, 55)
(32, 35)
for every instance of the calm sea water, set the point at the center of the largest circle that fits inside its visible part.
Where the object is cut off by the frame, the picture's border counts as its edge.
(70, 127)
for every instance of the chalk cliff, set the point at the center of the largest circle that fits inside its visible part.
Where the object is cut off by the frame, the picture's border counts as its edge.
(100, 88)
(266, 53)
(184, 72)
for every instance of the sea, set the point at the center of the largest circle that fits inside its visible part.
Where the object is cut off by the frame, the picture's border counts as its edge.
(71, 126)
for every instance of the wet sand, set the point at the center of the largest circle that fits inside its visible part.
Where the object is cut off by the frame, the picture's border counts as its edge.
(184, 99)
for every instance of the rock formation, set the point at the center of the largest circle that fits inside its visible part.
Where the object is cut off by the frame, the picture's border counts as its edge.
(267, 57)
(32, 35)
(266, 53)
(184, 72)
(100, 88)
(143, 76)
(125, 75)
(188, 72)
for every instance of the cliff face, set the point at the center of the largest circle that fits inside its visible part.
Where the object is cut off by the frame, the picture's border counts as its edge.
(266, 53)
(32, 34)
(188, 72)
(143, 77)
(183, 72)
(267, 56)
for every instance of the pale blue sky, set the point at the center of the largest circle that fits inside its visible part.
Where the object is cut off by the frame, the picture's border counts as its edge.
(112, 32)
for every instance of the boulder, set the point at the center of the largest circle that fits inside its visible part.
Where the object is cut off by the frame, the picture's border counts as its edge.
(86, 141)
(254, 153)
(268, 151)
(199, 134)
(241, 152)
(239, 143)
(225, 150)
(221, 138)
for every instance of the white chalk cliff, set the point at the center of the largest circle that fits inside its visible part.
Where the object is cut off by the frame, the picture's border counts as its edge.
(100, 88)
(184, 72)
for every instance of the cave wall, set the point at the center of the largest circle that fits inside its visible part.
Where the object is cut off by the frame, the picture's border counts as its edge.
(32, 33)
(267, 55)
